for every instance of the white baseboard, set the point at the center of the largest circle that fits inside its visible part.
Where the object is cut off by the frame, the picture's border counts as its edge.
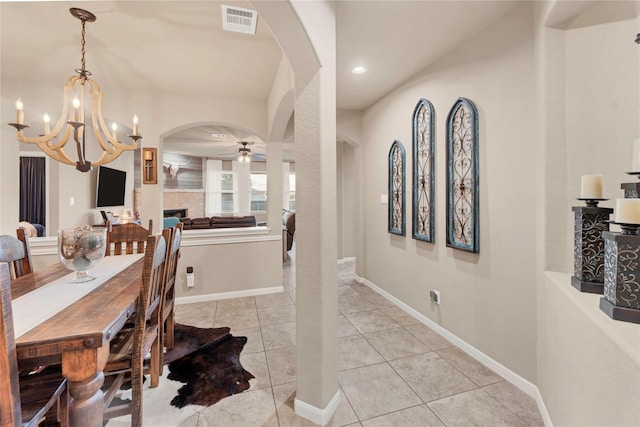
(523, 384)
(543, 409)
(227, 295)
(317, 415)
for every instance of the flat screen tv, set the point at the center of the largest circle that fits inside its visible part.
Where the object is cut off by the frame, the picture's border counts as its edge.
(111, 187)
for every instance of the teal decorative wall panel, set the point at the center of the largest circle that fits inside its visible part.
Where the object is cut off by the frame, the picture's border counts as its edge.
(397, 189)
(423, 172)
(463, 203)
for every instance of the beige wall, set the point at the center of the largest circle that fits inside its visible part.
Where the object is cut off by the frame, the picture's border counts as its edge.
(229, 267)
(159, 113)
(601, 107)
(488, 300)
(590, 90)
(347, 198)
(224, 261)
(588, 364)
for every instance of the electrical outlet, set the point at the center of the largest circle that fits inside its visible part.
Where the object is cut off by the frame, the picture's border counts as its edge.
(191, 280)
(435, 296)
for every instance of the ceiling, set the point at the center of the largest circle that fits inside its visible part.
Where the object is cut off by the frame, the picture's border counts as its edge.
(139, 43)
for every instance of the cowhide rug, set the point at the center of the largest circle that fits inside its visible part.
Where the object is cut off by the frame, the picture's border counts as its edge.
(207, 360)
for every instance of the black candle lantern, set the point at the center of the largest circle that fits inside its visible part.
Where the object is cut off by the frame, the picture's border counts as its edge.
(631, 189)
(590, 222)
(621, 299)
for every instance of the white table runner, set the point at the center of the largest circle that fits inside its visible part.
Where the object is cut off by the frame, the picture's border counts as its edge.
(43, 303)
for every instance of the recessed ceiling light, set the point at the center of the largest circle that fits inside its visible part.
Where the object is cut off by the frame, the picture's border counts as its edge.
(359, 70)
(218, 135)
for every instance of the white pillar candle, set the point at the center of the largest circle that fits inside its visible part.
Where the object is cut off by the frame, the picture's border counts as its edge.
(627, 211)
(20, 111)
(46, 120)
(76, 109)
(635, 158)
(591, 187)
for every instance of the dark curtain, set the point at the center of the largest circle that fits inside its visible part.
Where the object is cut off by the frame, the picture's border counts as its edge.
(32, 190)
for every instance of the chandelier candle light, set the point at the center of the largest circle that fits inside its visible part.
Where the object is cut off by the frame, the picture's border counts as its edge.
(75, 92)
(588, 250)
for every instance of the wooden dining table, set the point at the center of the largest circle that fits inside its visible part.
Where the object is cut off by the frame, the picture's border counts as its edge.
(78, 336)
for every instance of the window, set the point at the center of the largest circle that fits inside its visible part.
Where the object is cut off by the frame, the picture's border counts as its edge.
(226, 192)
(33, 190)
(220, 191)
(292, 191)
(258, 192)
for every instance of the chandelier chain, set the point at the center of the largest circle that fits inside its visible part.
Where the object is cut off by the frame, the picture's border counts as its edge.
(83, 33)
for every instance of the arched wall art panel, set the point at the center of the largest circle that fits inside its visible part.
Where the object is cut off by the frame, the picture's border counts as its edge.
(397, 172)
(423, 172)
(463, 222)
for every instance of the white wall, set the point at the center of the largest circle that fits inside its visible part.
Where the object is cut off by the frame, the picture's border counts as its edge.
(488, 300)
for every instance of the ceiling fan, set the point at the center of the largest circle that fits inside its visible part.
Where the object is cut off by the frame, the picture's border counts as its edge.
(244, 153)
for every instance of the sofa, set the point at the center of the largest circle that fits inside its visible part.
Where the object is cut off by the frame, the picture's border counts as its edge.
(33, 230)
(289, 221)
(218, 222)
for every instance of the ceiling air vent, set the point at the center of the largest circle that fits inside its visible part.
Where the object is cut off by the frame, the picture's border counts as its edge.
(239, 19)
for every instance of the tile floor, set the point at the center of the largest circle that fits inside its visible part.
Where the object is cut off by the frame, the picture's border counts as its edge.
(393, 370)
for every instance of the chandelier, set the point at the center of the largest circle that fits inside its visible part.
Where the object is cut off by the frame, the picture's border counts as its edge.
(73, 116)
(245, 153)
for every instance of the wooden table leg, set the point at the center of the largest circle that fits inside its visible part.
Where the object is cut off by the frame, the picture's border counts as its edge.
(83, 370)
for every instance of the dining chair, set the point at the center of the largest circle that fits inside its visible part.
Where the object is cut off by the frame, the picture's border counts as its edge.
(131, 236)
(16, 252)
(173, 235)
(170, 221)
(133, 343)
(25, 400)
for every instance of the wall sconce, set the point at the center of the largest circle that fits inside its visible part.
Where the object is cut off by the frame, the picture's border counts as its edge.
(150, 164)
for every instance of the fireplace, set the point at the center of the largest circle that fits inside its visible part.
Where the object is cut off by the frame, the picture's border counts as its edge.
(178, 213)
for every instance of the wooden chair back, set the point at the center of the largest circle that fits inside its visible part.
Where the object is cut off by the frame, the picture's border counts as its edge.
(127, 238)
(174, 237)
(167, 317)
(152, 289)
(16, 252)
(130, 346)
(10, 409)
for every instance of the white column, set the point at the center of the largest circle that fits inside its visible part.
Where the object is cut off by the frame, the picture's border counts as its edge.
(213, 187)
(274, 187)
(285, 185)
(242, 183)
(317, 394)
